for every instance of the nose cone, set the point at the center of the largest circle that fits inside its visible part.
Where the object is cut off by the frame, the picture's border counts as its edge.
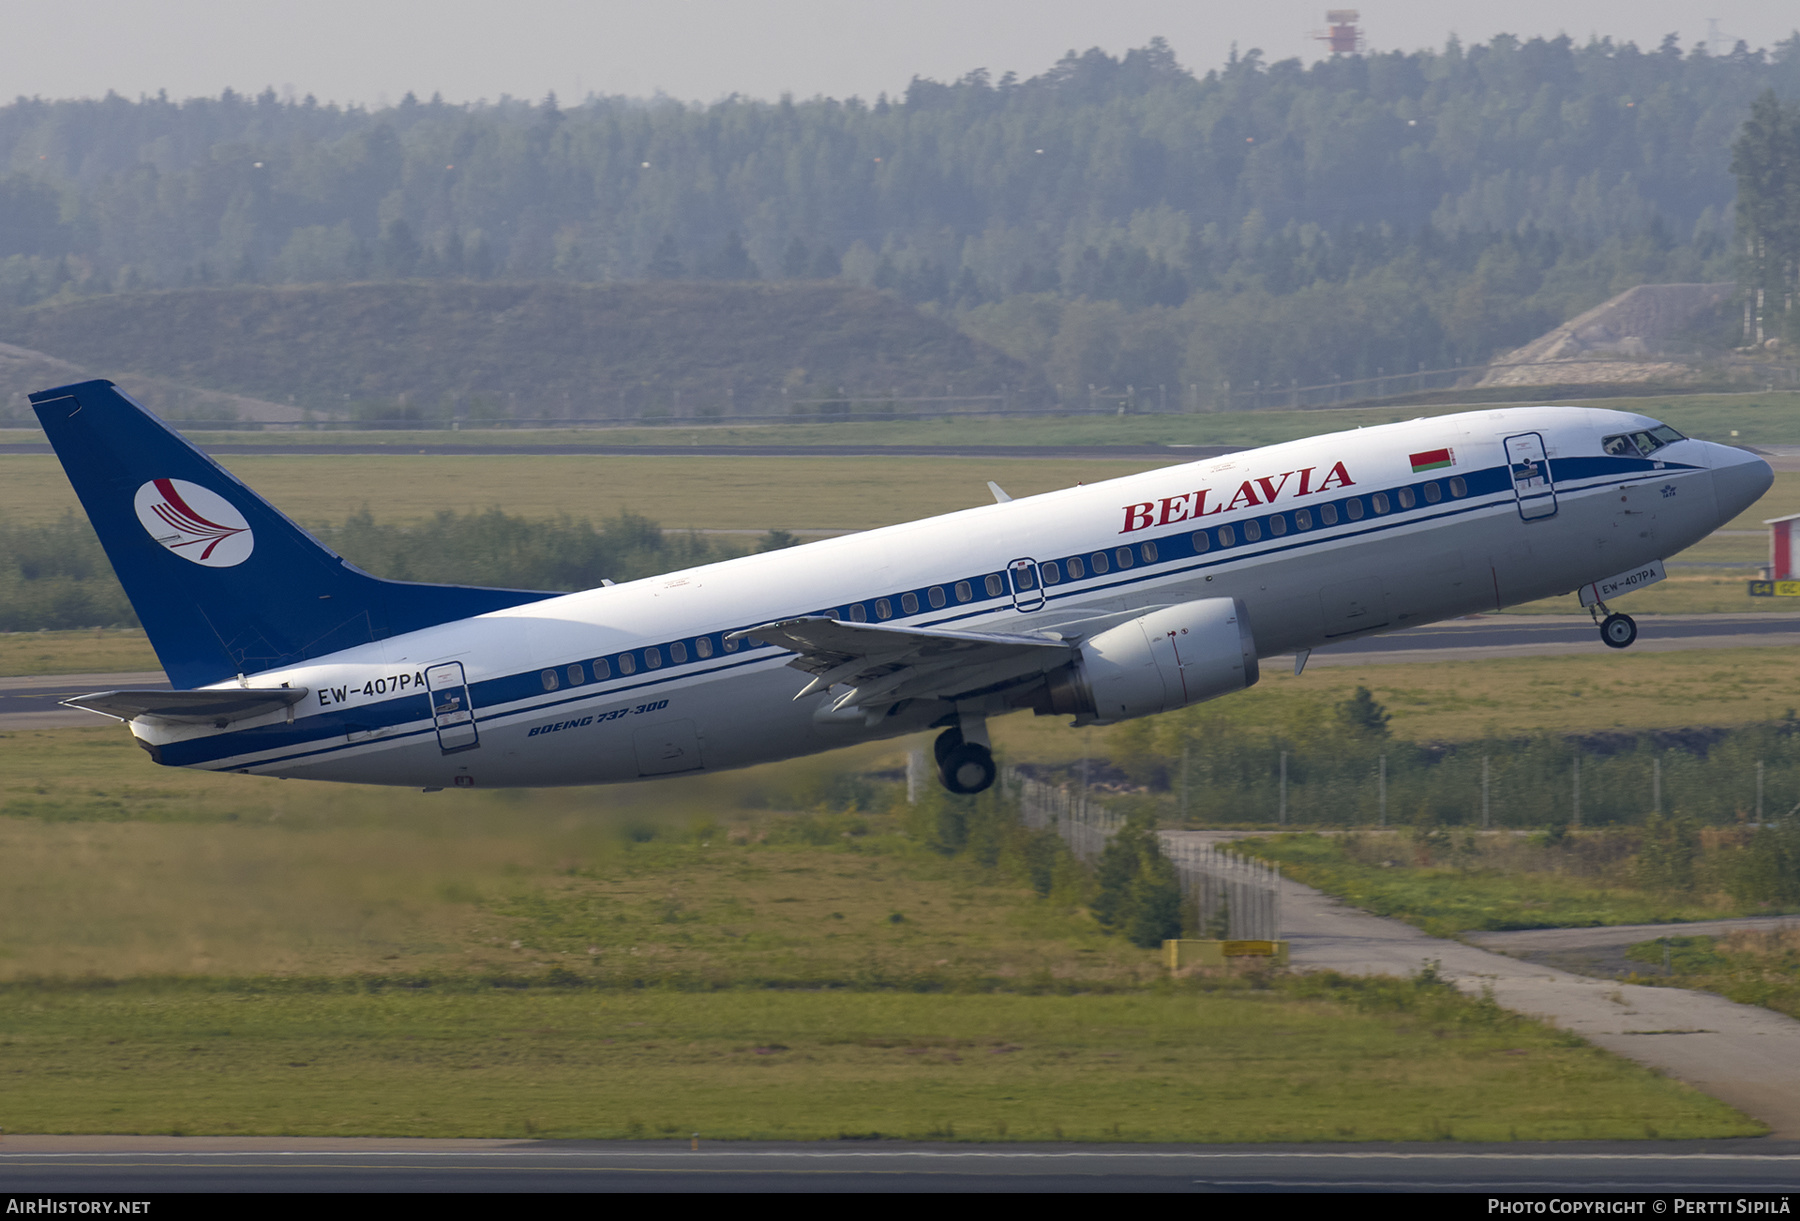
(1739, 479)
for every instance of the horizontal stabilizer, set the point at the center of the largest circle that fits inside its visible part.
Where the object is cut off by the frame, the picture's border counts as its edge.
(192, 707)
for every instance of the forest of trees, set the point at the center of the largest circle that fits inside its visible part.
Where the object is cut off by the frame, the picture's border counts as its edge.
(1113, 220)
(1766, 160)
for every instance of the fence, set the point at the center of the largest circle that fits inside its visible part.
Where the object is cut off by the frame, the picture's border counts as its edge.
(1084, 825)
(1236, 898)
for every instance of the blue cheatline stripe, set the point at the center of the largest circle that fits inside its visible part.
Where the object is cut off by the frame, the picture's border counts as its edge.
(511, 697)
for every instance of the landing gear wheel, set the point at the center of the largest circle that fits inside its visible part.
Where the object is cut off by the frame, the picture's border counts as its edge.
(946, 742)
(968, 768)
(1618, 631)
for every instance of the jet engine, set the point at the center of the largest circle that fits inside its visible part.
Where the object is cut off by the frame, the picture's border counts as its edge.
(1160, 661)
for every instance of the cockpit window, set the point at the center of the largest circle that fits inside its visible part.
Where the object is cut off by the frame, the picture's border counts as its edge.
(1640, 444)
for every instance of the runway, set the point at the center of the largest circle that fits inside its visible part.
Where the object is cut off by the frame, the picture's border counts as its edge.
(1495, 636)
(125, 1164)
(30, 702)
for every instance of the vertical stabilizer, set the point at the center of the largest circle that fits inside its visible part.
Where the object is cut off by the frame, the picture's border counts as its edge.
(223, 582)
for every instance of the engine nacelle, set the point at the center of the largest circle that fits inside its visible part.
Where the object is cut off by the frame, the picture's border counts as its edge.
(1158, 662)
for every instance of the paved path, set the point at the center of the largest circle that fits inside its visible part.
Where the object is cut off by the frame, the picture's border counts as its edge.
(1744, 1055)
(1601, 951)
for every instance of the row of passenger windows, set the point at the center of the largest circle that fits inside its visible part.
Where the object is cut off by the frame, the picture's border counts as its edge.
(1074, 568)
(1098, 563)
(1353, 509)
(651, 658)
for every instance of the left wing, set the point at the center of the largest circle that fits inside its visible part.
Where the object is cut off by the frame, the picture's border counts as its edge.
(886, 663)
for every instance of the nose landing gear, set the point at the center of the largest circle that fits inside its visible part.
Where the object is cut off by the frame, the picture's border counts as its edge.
(965, 766)
(1616, 631)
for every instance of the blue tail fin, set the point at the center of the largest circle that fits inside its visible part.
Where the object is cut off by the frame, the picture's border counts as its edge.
(224, 583)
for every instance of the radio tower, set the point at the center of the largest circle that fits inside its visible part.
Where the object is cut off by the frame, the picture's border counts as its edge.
(1344, 36)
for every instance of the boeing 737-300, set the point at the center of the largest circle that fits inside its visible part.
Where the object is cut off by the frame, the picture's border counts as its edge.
(1101, 602)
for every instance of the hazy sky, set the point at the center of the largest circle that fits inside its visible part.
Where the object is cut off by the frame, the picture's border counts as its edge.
(374, 50)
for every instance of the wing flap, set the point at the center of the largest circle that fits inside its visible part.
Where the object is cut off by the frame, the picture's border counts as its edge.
(891, 663)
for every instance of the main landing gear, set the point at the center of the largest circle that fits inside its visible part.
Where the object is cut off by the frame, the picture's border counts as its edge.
(1616, 631)
(965, 765)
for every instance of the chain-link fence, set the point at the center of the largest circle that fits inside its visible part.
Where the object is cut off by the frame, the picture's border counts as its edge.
(1235, 898)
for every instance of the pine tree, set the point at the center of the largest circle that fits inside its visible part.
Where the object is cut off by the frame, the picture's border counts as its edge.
(1766, 159)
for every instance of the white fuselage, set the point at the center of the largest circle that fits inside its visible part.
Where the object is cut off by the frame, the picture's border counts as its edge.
(542, 714)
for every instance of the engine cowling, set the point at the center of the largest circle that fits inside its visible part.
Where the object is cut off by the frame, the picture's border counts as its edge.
(1158, 662)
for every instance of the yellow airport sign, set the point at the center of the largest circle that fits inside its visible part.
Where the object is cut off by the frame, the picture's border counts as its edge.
(1775, 589)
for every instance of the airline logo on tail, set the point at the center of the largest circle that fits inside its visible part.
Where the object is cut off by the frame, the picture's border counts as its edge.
(194, 523)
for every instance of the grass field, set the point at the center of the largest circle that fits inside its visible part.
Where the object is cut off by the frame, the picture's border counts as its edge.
(788, 493)
(1303, 1060)
(760, 954)
(1471, 881)
(99, 651)
(193, 953)
(1757, 418)
(1752, 968)
(678, 493)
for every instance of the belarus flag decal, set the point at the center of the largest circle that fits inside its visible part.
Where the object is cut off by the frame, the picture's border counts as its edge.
(1433, 459)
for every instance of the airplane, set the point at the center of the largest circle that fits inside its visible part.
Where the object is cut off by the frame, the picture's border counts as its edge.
(1102, 602)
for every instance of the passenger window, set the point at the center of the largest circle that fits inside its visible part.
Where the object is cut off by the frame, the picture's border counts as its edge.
(884, 609)
(936, 595)
(1024, 576)
(678, 652)
(1302, 519)
(1278, 525)
(601, 669)
(577, 675)
(1076, 571)
(1433, 493)
(548, 678)
(1380, 502)
(730, 643)
(858, 614)
(652, 657)
(628, 663)
(1252, 531)
(909, 603)
(1148, 551)
(703, 646)
(1098, 562)
(1353, 509)
(1124, 557)
(963, 591)
(1407, 499)
(1458, 486)
(1328, 515)
(995, 584)
(1227, 536)
(1052, 572)
(1202, 542)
